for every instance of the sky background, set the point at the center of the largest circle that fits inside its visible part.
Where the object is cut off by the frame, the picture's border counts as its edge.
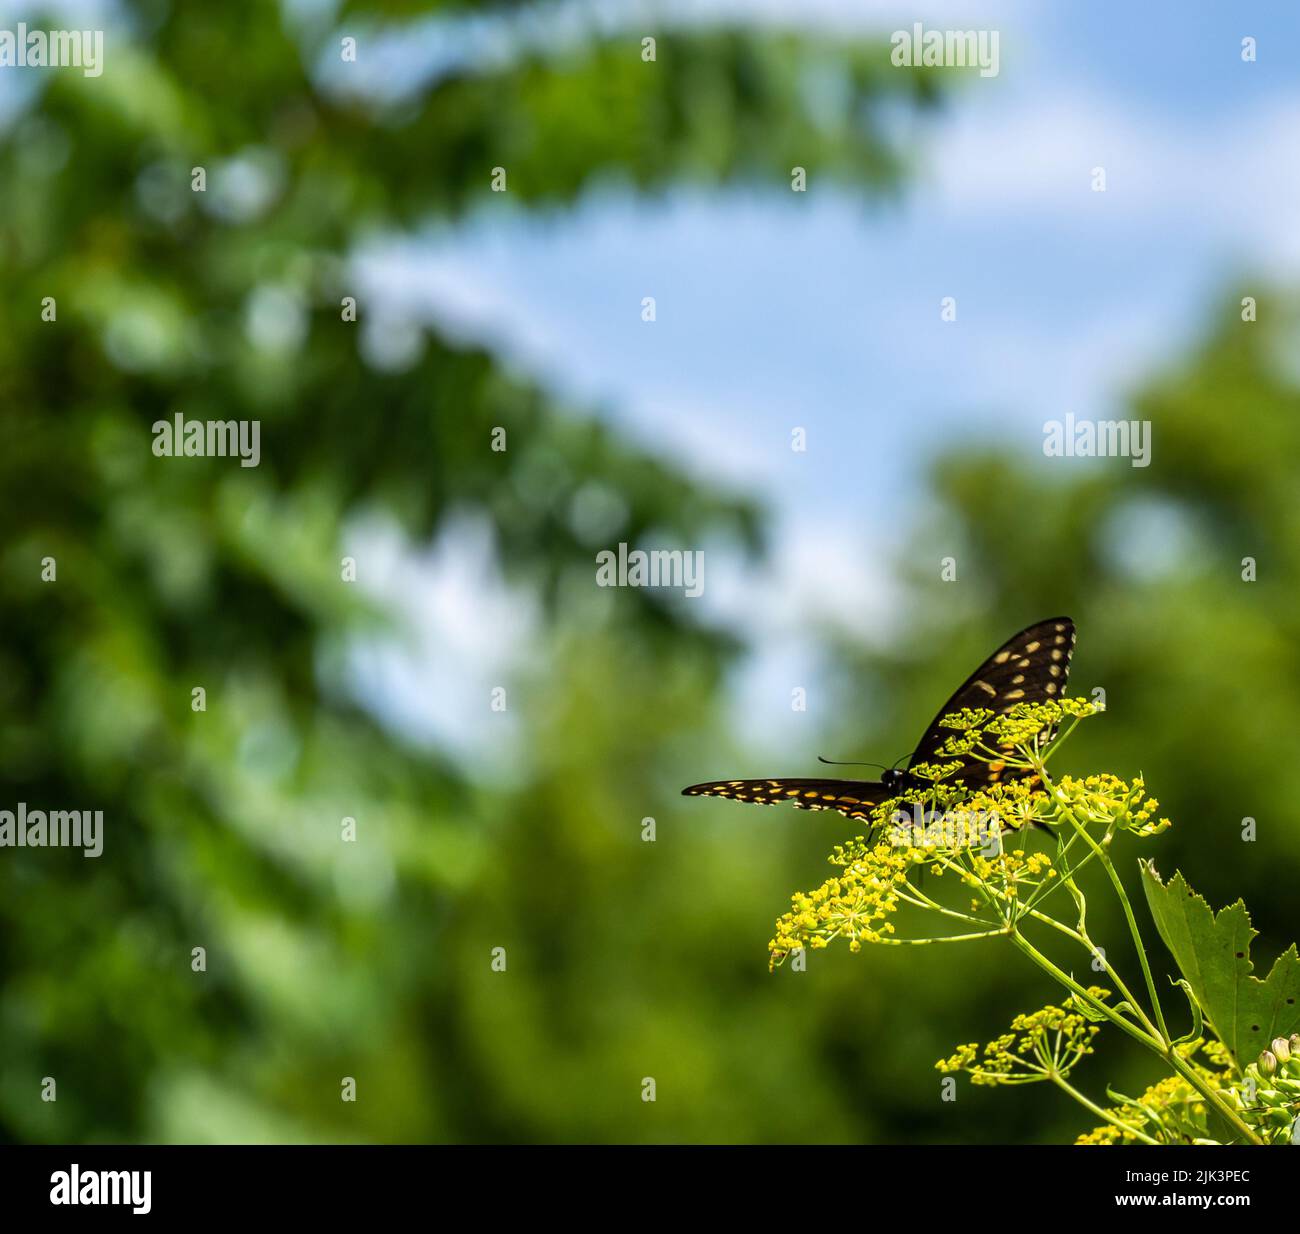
(777, 309)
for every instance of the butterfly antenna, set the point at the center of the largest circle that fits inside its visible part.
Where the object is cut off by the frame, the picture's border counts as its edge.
(834, 762)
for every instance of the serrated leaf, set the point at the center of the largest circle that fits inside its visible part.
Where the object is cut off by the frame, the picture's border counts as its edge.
(1213, 953)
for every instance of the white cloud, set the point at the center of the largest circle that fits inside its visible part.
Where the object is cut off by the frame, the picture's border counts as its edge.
(1029, 154)
(461, 630)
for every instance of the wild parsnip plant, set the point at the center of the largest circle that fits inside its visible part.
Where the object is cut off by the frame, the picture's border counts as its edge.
(1004, 862)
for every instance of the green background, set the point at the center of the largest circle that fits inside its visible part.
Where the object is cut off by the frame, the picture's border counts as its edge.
(626, 959)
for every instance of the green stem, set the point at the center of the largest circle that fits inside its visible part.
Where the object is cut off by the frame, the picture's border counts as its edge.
(1081, 937)
(1060, 1082)
(1000, 932)
(1153, 1035)
(919, 899)
(1184, 1069)
(1158, 1044)
(1104, 1009)
(1061, 739)
(1117, 883)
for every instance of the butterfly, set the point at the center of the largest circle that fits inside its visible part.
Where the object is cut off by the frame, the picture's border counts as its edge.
(1030, 667)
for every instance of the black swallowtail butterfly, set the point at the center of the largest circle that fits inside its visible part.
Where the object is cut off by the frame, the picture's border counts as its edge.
(1030, 667)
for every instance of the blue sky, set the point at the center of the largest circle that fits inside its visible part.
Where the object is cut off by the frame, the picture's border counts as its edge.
(780, 310)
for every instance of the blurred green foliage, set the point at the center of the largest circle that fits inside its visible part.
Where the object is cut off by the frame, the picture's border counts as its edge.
(626, 959)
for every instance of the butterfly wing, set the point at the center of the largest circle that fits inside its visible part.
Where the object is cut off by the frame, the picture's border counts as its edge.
(852, 798)
(1030, 667)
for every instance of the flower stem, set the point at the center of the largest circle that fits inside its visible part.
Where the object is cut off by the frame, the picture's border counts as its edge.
(1135, 1031)
(1105, 1115)
(1000, 932)
(1157, 1043)
(1102, 856)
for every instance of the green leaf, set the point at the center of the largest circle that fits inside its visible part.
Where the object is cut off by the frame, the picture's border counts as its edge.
(1198, 1024)
(1120, 1099)
(1213, 952)
(1087, 1010)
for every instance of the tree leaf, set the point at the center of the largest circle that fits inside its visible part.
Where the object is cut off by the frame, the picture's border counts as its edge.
(1213, 952)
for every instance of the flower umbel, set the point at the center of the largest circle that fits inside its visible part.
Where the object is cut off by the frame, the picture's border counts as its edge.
(951, 826)
(1041, 1045)
(855, 904)
(1107, 799)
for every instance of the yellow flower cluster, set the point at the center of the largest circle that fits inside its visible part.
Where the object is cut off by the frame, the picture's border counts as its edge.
(1013, 738)
(1018, 803)
(961, 743)
(1021, 725)
(1039, 1045)
(1005, 874)
(855, 905)
(1172, 1111)
(960, 825)
(967, 718)
(935, 771)
(1108, 799)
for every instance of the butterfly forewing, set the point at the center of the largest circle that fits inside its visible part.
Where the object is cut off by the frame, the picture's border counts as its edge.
(852, 798)
(1031, 667)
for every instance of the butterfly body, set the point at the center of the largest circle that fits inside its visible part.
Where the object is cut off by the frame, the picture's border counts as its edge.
(1030, 667)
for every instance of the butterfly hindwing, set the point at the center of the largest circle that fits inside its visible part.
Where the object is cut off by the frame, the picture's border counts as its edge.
(852, 798)
(1030, 667)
